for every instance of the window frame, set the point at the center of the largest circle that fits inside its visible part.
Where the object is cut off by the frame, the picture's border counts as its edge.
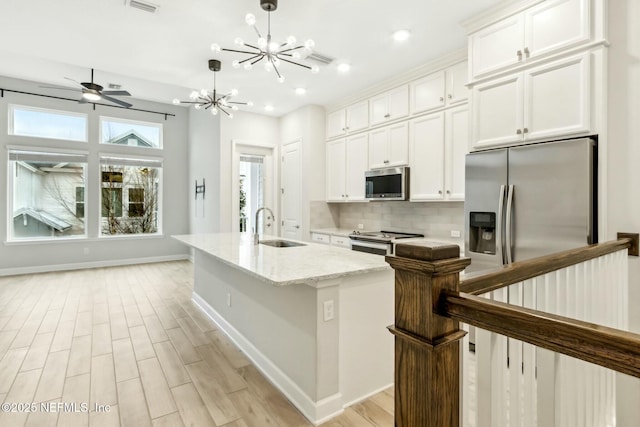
(103, 119)
(10, 194)
(132, 161)
(11, 122)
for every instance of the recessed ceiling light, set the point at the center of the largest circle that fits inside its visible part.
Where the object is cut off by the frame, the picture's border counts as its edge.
(301, 91)
(344, 67)
(401, 35)
(268, 107)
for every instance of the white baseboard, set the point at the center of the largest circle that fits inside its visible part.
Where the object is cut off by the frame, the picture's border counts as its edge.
(315, 411)
(92, 264)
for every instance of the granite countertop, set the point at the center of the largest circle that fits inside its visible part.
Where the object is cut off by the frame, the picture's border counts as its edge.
(333, 231)
(306, 264)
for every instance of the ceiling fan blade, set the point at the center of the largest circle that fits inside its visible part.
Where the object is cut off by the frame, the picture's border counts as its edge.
(116, 92)
(76, 82)
(59, 87)
(116, 101)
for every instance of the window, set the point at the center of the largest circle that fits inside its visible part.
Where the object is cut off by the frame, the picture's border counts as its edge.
(44, 195)
(111, 202)
(43, 123)
(130, 133)
(136, 202)
(130, 195)
(79, 202)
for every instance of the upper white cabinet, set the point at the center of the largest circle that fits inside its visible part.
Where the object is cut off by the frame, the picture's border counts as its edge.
(541, 102)
(441, 89)
(351, 119)
(390, 105)
(389, 146)
(438, 144)
(548, 27)
(346, 163)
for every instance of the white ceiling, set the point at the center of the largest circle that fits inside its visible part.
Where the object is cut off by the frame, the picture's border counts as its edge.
(164, 55)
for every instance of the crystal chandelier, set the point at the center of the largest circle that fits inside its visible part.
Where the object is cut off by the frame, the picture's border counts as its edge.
(205, 100)
(266, 48)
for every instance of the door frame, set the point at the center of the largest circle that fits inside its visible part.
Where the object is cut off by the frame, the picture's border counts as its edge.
(303, 230)
(272, 172)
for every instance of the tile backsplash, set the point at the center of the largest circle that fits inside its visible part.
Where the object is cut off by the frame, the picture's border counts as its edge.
(433, 219)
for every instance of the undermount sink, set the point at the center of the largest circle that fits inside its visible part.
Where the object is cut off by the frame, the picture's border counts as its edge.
(281, 243)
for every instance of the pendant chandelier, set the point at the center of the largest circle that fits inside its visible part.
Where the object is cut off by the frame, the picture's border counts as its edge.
(205, 100)
(266, 48)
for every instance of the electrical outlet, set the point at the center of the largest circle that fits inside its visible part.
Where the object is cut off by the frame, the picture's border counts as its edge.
(328, 310)
(229, 300)
(455, 233)
(360, 226)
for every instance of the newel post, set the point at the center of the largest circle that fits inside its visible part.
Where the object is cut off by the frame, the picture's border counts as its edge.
(427, 377)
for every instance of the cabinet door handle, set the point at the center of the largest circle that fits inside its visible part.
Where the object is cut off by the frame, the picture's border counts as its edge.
(386, 116)
(441, 99)
(386, 161)
(346, 195)
(526, 52)
(518, 131)
(525, 130)
(519, 53)
(450, 96)
(448, 191)
(440, 192)
(297, 226)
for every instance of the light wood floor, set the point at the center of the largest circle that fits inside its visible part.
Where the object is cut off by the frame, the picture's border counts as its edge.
(130, 337)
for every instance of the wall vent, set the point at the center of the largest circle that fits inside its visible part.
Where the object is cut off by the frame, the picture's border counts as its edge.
(320, 58)
(147, 7)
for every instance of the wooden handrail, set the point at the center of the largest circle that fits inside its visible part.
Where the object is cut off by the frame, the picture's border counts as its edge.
(608, 347)
(524, 270)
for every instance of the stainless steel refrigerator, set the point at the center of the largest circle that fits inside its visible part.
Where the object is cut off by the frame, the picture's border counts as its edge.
(528, 201)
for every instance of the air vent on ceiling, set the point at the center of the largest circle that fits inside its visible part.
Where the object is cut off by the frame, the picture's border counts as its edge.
(320, 58)
(142, 5)
(115, 86)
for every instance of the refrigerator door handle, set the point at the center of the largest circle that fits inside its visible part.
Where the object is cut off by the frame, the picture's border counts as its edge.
(509, 225)
(499, 225)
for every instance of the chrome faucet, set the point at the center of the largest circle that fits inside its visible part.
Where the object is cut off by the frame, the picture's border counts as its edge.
(256, 237)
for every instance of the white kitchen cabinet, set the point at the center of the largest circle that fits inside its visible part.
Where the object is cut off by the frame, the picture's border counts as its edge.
(346, 163)
(441, 89)
(351, 119)
(543, 29)
(341, 241)
(389, 146)
(456, 147)
(330, 239)
(547, 101)
(321, 238)
(390, 105)
(438, 143)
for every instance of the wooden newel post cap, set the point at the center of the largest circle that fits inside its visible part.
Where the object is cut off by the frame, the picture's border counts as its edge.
(427, 251)
(428, 257)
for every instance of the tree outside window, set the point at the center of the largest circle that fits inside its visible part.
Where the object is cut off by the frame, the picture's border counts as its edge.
(129, 198)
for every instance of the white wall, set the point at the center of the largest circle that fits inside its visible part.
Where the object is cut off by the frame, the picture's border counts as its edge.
(307, 124)
(248, 128)
(18, 257)
(624, 165)
(204, 163)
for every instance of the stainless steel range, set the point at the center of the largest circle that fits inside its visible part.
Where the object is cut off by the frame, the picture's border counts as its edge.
(378, 242)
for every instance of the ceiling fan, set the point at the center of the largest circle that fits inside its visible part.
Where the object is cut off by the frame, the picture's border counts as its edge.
(93, 92)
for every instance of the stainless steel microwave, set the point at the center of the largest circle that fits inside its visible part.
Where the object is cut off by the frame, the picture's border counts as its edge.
(387, 184)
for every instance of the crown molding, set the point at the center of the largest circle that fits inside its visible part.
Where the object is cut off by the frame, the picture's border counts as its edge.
(497, 12)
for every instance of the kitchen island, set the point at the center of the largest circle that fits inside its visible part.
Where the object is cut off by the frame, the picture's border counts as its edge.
(312, 318)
